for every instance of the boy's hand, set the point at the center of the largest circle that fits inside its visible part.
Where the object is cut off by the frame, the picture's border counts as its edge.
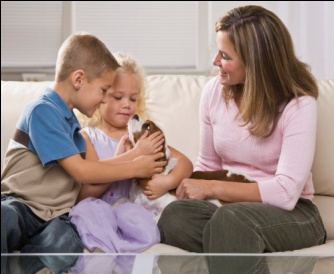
(147, 166)
(148, 145)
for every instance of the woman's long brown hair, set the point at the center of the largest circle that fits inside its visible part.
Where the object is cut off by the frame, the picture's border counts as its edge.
(274, 75)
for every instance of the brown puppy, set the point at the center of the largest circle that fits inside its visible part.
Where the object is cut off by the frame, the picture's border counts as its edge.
(220, 175)
(136, 128)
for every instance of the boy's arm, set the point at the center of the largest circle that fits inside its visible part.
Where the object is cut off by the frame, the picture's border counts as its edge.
(93, 171)
(90, 172)
(146, 145)
(96, 190)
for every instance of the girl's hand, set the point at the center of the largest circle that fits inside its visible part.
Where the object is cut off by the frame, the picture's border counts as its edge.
(157, 186)
(148, 145)
(124, 145)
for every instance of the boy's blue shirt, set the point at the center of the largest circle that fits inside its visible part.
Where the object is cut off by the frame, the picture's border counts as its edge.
(52, 127)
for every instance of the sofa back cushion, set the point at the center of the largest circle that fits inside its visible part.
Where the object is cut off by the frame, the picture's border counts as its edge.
(173, 102)
(15, 96)
(323, 164)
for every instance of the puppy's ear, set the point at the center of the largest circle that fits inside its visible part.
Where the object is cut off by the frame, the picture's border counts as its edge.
(136, 136)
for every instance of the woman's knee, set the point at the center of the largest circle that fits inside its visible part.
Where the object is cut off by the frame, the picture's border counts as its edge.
(169, 219)
(172, 212)
(184, 218)
(186, 211)
(225, 214)
(231, 230)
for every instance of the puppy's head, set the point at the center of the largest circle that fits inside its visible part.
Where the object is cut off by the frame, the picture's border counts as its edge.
(137, 127)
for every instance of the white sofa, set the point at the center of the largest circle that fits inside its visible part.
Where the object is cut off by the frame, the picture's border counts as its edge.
(173, 103)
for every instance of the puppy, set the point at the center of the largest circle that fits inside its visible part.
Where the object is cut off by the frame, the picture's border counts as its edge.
(221, 175)
(136, 128)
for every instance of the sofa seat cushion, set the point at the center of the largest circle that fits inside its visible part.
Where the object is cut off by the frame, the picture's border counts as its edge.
(325, 204)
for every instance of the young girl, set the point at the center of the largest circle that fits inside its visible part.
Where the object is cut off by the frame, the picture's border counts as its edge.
(111, 223)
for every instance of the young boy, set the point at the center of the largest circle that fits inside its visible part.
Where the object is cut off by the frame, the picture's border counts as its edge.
(45, 158)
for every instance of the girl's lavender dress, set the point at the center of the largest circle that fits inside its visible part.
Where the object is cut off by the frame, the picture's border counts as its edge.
(112, 223)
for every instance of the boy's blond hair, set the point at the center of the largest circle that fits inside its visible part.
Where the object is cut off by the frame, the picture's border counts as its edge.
(84, 51)
(127, 65)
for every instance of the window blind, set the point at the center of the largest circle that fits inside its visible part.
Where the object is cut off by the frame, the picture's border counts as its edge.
(31, 33)
(159, 34)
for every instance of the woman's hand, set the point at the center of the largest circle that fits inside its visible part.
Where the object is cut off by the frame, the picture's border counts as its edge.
(194, 189)
(226, 191)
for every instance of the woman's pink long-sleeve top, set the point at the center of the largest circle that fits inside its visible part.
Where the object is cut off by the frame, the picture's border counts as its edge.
(280, 164)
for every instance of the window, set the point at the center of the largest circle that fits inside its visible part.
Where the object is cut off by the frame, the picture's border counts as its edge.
(161, 35)
(31, 33)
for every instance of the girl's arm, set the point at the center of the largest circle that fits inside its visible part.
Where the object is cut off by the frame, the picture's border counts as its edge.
(91, 190)
(160, 184)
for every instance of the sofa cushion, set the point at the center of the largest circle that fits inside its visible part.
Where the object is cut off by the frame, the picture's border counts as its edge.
(14, 97)
(325, 205)
(173, 103)
(322, 170)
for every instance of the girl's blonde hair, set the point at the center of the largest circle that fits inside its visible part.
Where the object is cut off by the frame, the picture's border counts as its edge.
(274, 75)
(127, 65)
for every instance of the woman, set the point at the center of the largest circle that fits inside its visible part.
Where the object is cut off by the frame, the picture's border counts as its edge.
(258, 118)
